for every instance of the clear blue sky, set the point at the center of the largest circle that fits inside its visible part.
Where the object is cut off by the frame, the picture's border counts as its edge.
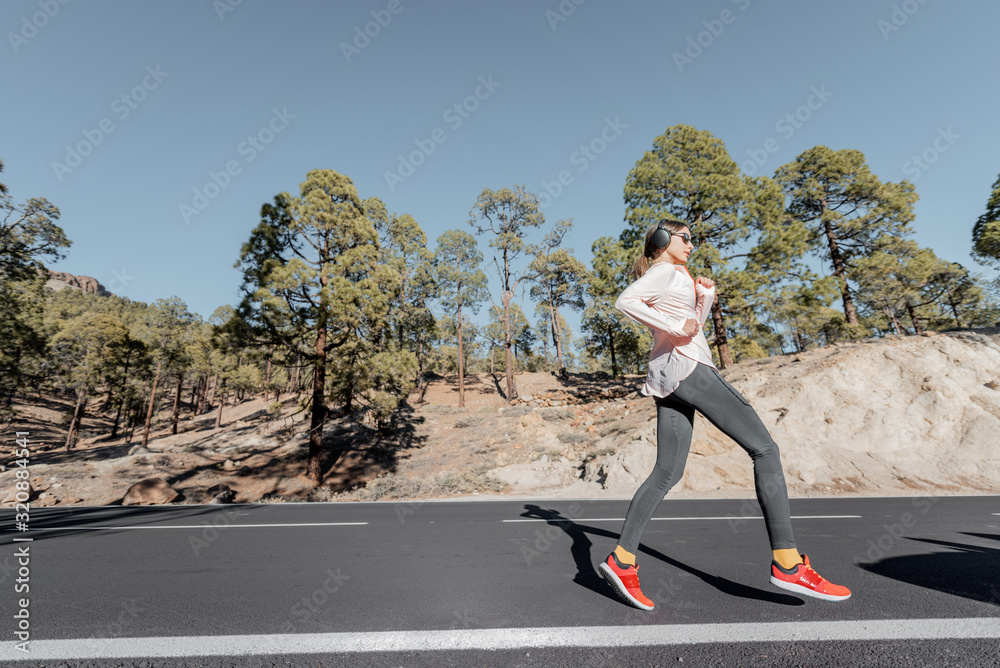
(199, 81)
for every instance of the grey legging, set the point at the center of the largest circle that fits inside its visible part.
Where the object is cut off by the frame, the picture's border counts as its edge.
(720, 402)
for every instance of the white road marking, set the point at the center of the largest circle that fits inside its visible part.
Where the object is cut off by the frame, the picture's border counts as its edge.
(199, 526)
(672, 519)
(507, 638)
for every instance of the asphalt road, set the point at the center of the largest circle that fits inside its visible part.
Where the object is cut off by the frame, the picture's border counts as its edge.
(444, 583)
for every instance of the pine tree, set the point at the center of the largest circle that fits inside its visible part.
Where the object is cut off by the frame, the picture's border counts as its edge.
(28, 235)
(846, 209)
(83, 351)
(611, 335)
(559, 281)
(312, 282)
(689, 176)
(462, 284)
(508, 214)
(986, 232)
(165, 333)
(404, 247)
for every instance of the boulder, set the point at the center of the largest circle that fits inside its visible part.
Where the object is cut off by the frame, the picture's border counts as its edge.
(150, 492)
(220, 494)
(10, 498)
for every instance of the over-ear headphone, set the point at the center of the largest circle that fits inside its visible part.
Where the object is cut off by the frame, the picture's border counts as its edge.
(661, 237)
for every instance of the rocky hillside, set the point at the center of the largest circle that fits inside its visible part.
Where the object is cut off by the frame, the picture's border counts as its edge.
(60, 280)
(901, 415)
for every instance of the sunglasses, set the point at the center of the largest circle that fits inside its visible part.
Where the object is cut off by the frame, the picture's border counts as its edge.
(685, 237)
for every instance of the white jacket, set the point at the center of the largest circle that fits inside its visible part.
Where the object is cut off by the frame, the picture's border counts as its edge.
(662, 299)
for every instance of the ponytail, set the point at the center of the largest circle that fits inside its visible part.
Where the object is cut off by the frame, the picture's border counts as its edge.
(639, 267)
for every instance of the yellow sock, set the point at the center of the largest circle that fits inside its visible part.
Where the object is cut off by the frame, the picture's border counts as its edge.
(624, 556)
(787, 558)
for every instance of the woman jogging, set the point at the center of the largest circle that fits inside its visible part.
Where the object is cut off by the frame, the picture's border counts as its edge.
(682, 379)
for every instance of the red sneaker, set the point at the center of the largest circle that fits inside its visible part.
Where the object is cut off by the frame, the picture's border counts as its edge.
(804, 580)
(625, 581)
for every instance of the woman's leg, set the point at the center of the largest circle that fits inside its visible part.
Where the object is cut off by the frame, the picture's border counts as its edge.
(674, 427)
(722, 404)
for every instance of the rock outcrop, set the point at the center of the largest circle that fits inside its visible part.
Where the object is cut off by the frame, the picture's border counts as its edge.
(148, 492)
(889, 416)
(59, 280)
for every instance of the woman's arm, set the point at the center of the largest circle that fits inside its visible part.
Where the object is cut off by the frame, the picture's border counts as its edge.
(636, 300)
(706, 297)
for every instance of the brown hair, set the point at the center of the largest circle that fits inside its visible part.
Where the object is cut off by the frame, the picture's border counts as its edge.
(649, 249)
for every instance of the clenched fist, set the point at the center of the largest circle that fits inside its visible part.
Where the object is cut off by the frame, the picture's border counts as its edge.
(690, 327)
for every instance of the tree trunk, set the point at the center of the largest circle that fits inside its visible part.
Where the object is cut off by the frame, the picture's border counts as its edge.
(721, 340)
(222, 402)
(202, 395)
(841, 273)
(74, 425)
(611, 346)
(215, 388)
(917, 327)
(121, 386)
(118, 415)
(177, 404)
(461, 366)
(195, 390)
(314, 468)
(891, 312)
(557, 337)
(954, 309)
(133, 416)
(152, 401)
(421, 354)
(508, 344)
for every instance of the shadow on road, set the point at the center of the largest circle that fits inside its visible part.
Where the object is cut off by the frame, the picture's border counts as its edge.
(59, 522)
(969, 571)
(587, 575)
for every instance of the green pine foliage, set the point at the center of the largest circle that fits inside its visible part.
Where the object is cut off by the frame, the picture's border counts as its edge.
(986, 232)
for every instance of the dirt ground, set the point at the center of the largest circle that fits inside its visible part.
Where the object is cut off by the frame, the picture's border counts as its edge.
(260, 455)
